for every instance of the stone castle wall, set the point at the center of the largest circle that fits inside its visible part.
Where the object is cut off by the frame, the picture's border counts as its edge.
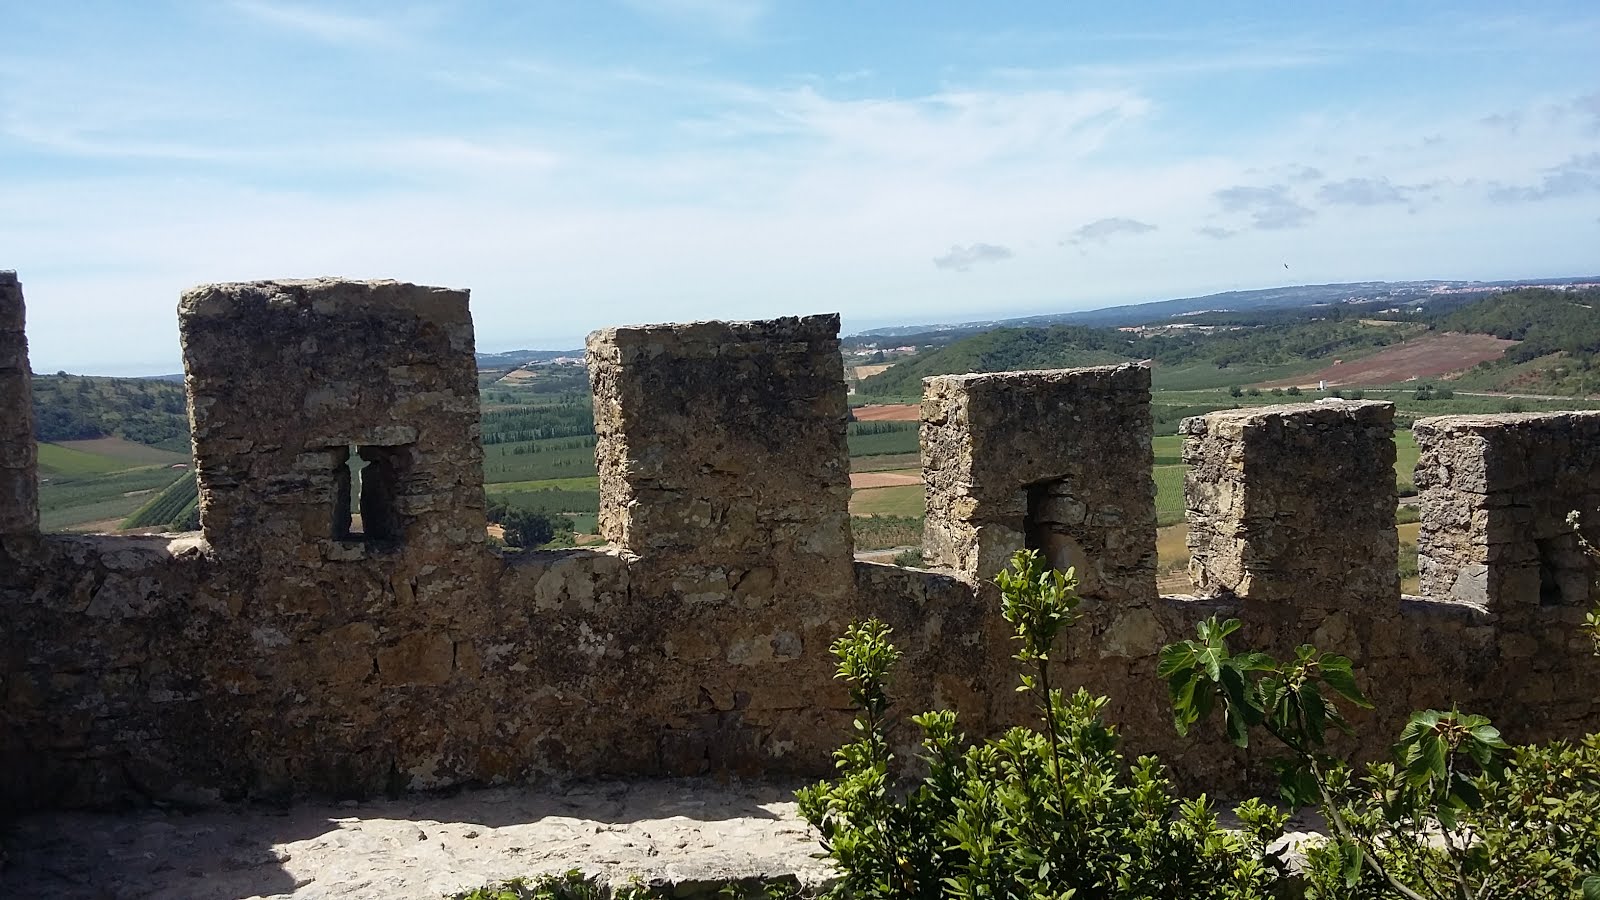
(345, 633)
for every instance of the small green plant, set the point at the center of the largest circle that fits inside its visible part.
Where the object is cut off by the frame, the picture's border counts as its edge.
(574, 885)
(1056, 814)
(909, 558)
(1458, 815)
(569, 885)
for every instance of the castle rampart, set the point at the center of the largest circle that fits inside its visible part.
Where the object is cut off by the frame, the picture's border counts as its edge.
(346, 631)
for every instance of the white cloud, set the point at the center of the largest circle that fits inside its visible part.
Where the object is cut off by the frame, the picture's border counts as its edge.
(961, 259)
(1102, 230)
(726, 18)
(1269, 208)
(321, 24)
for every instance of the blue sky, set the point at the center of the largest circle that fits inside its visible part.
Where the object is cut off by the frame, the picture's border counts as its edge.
(581, 164)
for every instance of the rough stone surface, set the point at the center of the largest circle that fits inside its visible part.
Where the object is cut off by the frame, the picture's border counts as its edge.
(1496, 491)
(288, 380)
(693, 836)
(723, 466)
(19, 487)
(1294, 504)
(271, 657)
(1057, 460)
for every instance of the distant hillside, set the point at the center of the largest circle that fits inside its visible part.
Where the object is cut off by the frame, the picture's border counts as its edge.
(1184, 358)
(1003, 350)
(1544, 321)
(513, 358)
(1287, 297)
(1559, 332)
(83, 407)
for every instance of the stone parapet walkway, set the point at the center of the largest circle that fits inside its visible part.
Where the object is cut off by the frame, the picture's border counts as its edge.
(683, 832)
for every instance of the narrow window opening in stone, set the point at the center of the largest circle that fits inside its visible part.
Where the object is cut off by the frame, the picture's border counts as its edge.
(1564, 572)
(1052, 513)
(366, 481)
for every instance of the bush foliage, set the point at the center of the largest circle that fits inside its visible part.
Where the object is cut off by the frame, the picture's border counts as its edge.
(1049, 813)
(1457, 814)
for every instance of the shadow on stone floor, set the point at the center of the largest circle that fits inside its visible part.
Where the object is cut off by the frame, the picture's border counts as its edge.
(417, 846)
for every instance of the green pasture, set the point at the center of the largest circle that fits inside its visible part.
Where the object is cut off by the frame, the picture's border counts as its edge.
(129, 453)
(899, 500)
(581, 483)
(68, 501)
(174, 506)
(883, 438)
(546, 459)
(54, 459)
(881, 532)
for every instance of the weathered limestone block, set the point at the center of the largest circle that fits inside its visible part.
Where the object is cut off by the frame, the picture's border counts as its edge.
(723, 466)
(1294, 503)
(1496, 492)
(292, 384)
(19, 480)
(1056, 460)
(722, 443)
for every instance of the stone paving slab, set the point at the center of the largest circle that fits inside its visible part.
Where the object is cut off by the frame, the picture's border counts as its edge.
(684, 832)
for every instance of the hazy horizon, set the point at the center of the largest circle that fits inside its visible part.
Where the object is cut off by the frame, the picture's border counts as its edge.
(849, 326)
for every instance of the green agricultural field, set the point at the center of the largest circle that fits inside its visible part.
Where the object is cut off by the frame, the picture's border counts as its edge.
(581, 483)
(1203, 375)
(881, 532)
(65, 502)
(888, 462)
(174, 507)
(539, 460)
(884, 438)
(128, 452)
(900, 500)
(553, 501)
(1169, 450)
(54, 459)
(1405, 460)
(1169, 495)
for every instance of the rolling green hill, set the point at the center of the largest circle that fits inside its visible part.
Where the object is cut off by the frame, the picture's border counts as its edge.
(1186, 358)
(1560, 335)
(83, 407)
(1002, 350)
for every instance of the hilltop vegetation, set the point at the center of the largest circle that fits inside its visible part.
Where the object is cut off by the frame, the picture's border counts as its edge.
(84, 407)
(1560, 335)
(1208, 355)
(1545, 321)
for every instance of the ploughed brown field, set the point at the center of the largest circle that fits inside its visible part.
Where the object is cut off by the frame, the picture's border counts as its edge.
(889, 412)
(1429, 356)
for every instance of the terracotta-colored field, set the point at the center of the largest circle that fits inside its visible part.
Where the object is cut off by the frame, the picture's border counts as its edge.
(1426, 357)
(882, 479)
(889, 412)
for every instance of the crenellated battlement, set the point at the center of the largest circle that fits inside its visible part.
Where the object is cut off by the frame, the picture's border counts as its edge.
(340, 626)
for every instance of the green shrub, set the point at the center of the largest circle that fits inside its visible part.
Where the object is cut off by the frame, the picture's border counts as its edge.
(1407, 560)
(1028, 815)
(910, 558)
(1453, 816)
